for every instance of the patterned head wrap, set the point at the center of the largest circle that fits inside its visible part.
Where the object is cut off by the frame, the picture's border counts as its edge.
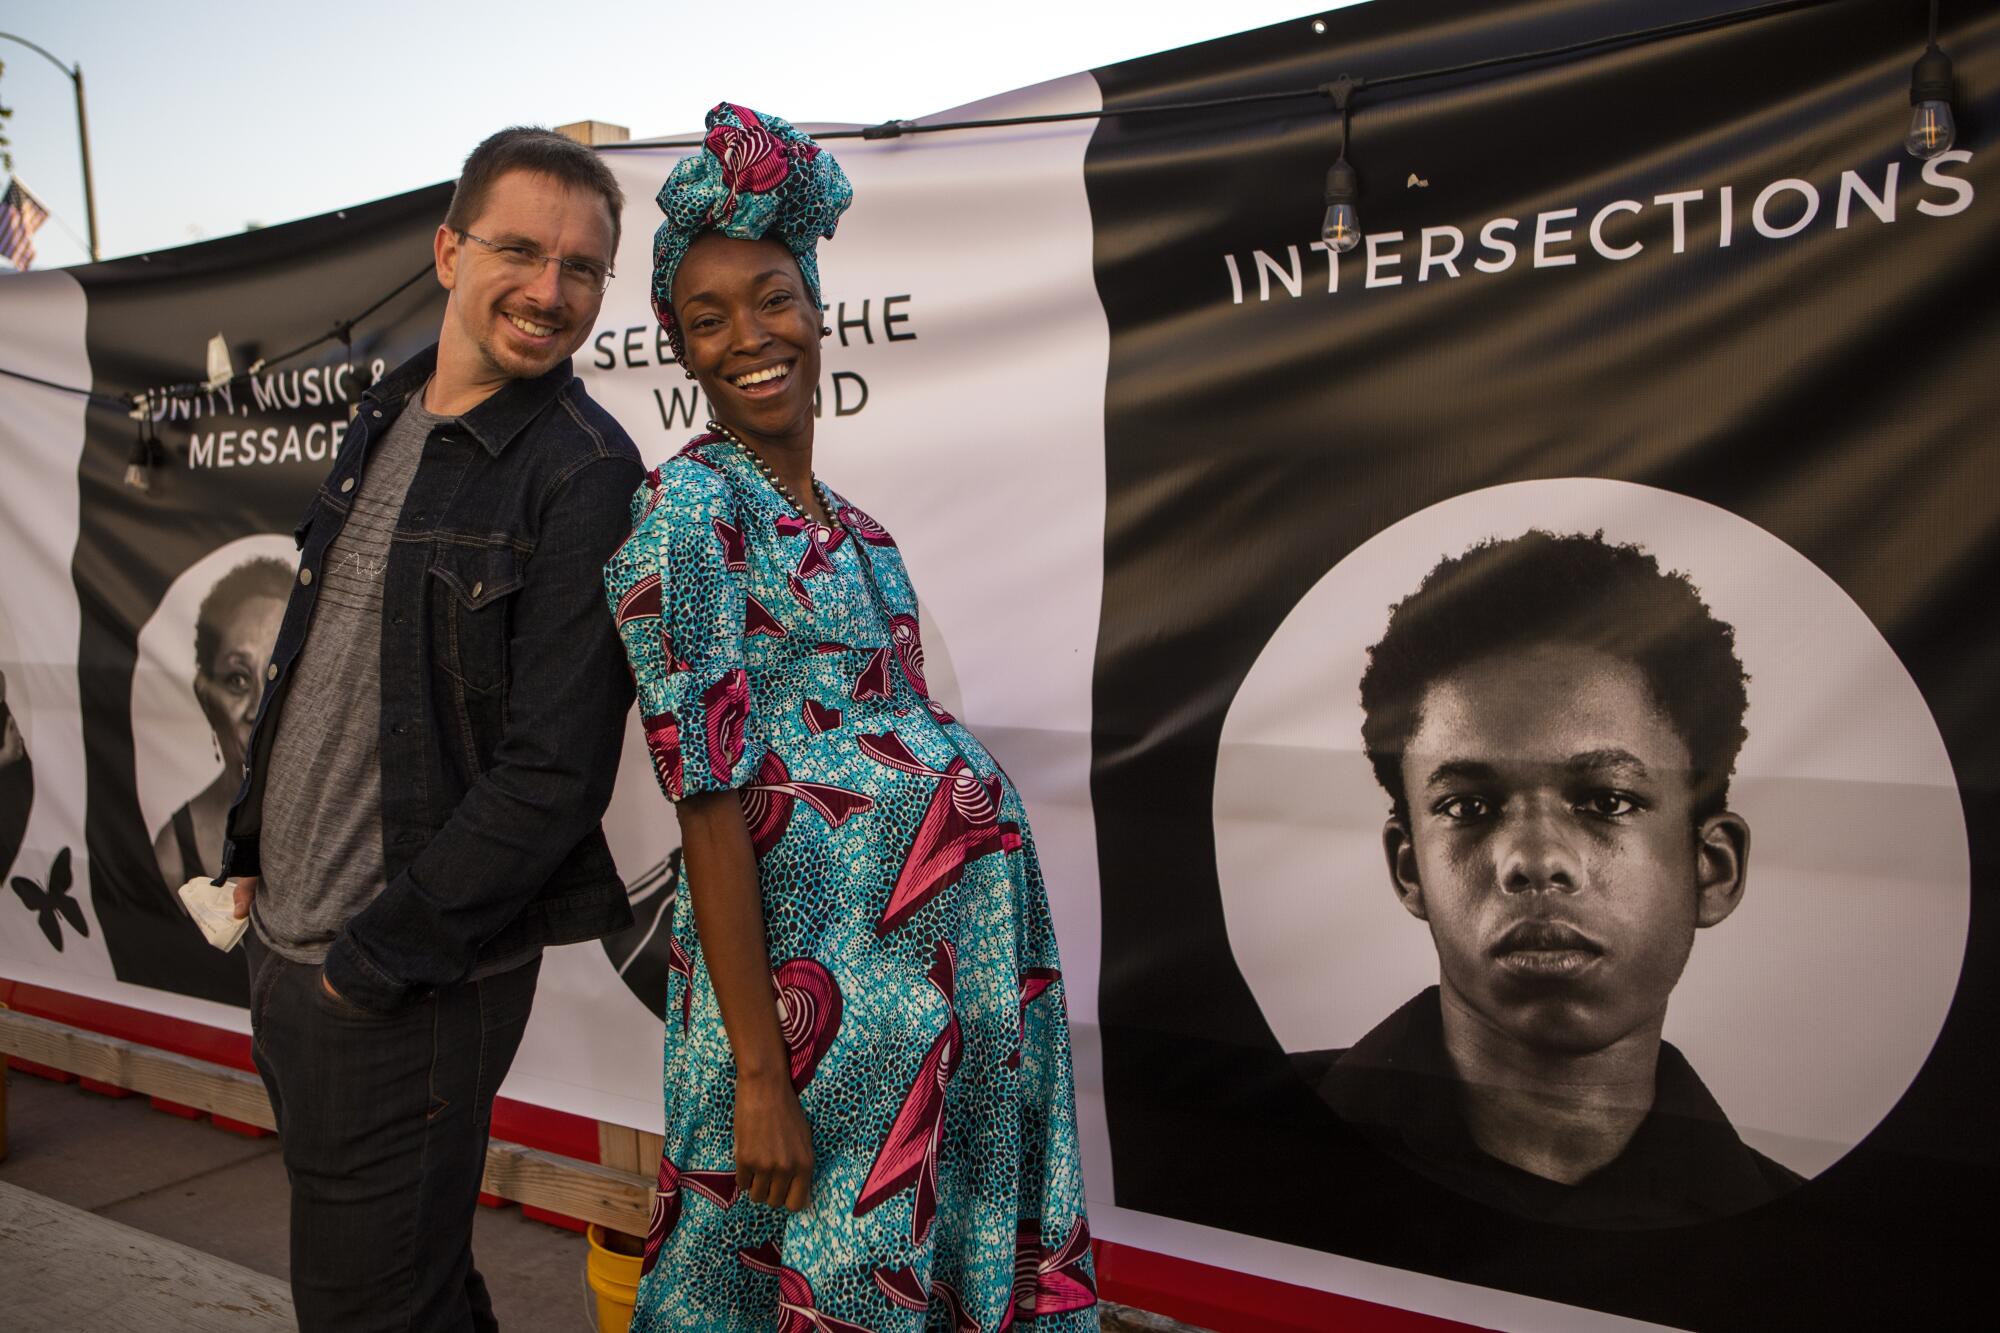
(755, 176)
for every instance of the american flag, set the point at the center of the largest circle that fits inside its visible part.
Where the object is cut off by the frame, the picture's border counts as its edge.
(21, 215)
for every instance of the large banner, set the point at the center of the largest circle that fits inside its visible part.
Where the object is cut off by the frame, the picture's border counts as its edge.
(1506, 709)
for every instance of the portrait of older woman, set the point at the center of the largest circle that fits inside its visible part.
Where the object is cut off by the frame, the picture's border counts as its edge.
(233, 634)
(870, 1118)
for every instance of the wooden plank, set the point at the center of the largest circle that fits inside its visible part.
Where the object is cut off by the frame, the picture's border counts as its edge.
(230, 1092)
(616, 1199)
(650, 1147)
(68, 1271)
(617, 1146)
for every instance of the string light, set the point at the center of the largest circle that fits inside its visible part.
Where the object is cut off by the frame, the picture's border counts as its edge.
(1341, 225)
(1932, 129)
(1341, 228)
(147, 452)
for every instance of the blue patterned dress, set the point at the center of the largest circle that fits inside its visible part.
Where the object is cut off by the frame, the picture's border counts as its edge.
(914, 965)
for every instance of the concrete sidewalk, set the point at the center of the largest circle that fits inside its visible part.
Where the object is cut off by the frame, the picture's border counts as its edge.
(192, 1183)
(225, 1195)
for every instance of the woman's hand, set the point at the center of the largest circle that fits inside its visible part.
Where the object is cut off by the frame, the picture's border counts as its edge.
(774, 1154)
(774, 1157)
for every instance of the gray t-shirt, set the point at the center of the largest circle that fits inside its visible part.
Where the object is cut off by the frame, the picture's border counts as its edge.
(322, 834)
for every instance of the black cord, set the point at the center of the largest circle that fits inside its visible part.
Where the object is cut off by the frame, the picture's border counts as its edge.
(103, 399)
(345, 327)
(1684, 28)
(897, 128)
(342, 329)
(894, 129)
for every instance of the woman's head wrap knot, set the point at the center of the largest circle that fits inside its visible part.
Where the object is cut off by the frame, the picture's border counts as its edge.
(755, 177)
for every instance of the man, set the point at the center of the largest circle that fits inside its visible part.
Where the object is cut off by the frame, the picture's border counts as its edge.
(1555, 721)
(436, 744)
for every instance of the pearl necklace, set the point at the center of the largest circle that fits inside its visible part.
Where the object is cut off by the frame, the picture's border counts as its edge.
(777, 484)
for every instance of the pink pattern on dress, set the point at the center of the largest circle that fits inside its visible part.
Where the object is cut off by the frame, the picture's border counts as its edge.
(640, 602)
(666, 1214)
(663, 741)
(1034, 981)
(757, 619)
(864, 527)
(900, 1287)
(798, 1308)
(909, 1152)
(910, 651)
(819, 718)
(873, 682)
(692, 452)
(962, 1320)
(1050, 1281)
(731, 538)
(961, 824)
(681, 963)
(768, 802)
(809, 1008)
(726, 705)
(719, 1187)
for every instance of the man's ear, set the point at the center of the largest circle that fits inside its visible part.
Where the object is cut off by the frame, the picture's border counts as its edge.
(1401, 849)
(1721, 864)
(446, 247)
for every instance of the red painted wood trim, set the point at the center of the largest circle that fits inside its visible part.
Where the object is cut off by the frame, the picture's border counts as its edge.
(1232, 1302)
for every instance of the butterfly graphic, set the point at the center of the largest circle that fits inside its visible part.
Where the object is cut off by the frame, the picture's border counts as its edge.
(47, 903)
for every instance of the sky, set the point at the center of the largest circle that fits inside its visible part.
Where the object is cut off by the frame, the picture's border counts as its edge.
(207, 115)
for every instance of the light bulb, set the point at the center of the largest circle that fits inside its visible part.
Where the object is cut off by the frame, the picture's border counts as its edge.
(1341, 229)
(1931, 126)
(1932, 130)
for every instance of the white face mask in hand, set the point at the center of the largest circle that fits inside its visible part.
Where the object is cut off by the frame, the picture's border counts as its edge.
(213, 907)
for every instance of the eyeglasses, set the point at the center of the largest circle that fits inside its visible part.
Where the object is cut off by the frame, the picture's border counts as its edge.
(585, 276)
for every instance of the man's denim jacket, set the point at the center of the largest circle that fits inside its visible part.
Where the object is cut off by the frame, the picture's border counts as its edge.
(504, 686)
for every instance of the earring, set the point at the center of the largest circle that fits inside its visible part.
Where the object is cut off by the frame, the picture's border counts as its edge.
(685, 371)
(825, 331)
(215, 743)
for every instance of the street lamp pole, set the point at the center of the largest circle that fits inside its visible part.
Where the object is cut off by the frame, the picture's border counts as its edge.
(75, 73)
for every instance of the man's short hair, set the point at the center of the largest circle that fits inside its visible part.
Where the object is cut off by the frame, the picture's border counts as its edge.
(531, 148)
(1541, 588)
(259, 577)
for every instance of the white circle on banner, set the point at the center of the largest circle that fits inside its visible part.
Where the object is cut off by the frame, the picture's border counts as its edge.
(1809, 1010)
(175, 751)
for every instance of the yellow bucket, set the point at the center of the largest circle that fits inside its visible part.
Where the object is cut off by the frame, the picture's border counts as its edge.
(612, 1274)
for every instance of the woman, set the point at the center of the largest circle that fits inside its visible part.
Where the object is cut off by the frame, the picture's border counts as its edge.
(869, 1114)
(234, 632)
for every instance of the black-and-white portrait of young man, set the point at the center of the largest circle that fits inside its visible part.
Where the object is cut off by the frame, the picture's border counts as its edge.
(1555, 720)
(1565, 869)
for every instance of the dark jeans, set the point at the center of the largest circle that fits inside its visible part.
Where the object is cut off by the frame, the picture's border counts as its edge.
(383, 1123)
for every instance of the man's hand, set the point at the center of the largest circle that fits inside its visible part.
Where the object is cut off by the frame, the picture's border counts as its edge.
(774, 1154)
(243, 889)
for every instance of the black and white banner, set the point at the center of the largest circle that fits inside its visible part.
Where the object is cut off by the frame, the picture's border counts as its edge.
(1662, 371)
